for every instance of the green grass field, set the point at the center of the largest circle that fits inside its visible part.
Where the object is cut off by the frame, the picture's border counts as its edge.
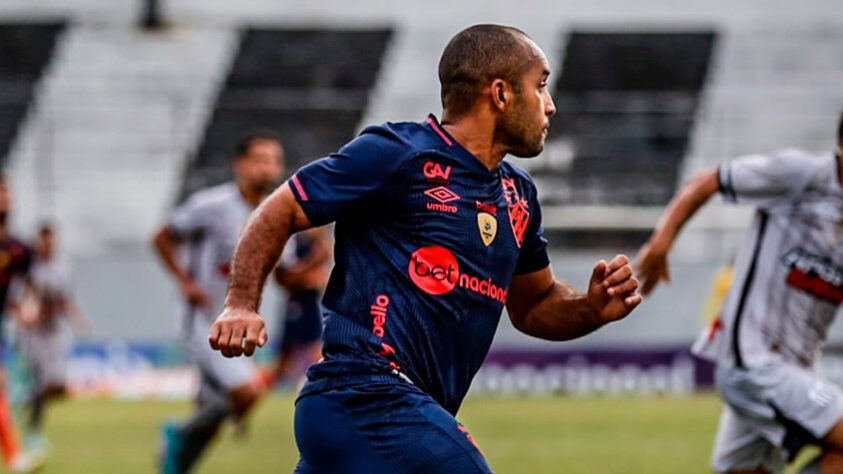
(518, 435)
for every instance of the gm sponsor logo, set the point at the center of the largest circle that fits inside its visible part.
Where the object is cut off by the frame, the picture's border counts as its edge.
(435, 173)
(436, 271)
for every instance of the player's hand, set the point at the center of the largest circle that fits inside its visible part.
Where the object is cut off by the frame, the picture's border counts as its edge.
(195, 295)
(652, 265)
(611, 291)
(237, 332)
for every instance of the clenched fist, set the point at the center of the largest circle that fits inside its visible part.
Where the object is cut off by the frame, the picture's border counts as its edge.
(611, 291)
(237, 332)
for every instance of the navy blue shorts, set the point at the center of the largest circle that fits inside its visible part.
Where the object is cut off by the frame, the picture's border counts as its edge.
(379, 428)
(302, 319)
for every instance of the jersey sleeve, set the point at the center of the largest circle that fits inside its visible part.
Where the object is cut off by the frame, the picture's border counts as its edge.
(761, 179)
(364, 174)
(189, 218)
(533, 255)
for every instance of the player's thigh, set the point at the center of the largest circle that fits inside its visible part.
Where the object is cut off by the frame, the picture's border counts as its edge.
(740, 446)
(788, 405)
(810, 409)
(329, 441)
(406, 430)
(449, 441)
(834, 438)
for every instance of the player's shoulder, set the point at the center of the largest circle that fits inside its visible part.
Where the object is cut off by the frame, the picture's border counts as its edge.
(518, 175)
(788, 157)
(403, 139)
(804, 157)
(212, 196)
(810, 169)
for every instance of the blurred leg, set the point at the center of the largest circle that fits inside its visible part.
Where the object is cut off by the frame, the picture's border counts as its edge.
(8, 436)
(201, 428)
(831, 460)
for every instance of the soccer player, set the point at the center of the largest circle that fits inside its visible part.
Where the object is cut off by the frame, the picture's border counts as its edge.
(434, 234)
(208, 225)
(44, 345)
(304, 278)
(788, 285)
(15, 260)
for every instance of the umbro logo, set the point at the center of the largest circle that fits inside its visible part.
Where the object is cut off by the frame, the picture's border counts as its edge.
(444, 196)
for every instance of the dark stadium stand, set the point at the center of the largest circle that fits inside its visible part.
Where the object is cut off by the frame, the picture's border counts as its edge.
(309, 86)
(626, 106)
(25, 48)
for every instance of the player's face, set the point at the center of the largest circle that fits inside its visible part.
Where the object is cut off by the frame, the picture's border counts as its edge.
(261, 168)
(525, 125)
(46, 244)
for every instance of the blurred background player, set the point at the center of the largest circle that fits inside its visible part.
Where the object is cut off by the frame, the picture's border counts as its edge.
(208, 225)
(42, 341)
(304, 276)
(15, 261)
(788, 286)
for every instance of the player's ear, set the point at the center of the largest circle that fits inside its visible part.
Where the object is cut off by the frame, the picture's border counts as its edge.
(500, 94)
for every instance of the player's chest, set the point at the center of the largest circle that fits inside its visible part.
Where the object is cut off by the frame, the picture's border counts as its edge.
(815, 223)
(809, 239)
(482, 216)
(222, 234)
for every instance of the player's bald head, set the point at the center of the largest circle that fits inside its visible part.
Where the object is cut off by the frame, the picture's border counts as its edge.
(476, 56)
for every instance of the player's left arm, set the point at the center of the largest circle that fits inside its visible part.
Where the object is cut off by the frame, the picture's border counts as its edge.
(543, 307)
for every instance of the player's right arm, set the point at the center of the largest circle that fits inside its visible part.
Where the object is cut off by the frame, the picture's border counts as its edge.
(652, 258)
(364, 175)
(757, 179)
(165, 244)
(260, 245)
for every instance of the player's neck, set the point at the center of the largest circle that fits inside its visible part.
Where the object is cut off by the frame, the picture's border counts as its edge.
(476, 133)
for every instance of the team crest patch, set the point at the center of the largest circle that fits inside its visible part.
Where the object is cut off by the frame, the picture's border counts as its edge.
(488, 226)
(519, 215)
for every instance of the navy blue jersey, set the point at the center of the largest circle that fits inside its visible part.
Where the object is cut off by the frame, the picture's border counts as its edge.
(427, 240)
